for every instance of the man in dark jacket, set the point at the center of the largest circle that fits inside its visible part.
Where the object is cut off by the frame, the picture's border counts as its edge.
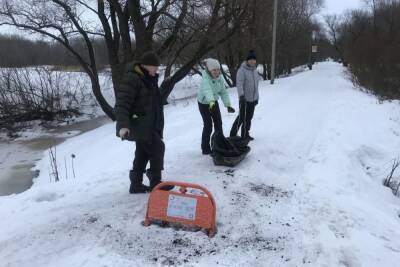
(140, 118)
(247, 80)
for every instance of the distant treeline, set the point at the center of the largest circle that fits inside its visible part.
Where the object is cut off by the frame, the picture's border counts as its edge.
(17, 51)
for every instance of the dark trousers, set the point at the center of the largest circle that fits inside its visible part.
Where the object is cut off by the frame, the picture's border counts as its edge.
(153, 152)
(244, 119)
(209, 116)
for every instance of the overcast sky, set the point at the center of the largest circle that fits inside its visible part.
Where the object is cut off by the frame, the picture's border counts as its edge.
(339, 6)
(331, 7)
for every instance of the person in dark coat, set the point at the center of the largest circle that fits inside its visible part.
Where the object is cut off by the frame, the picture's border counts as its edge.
(140, 118)
(247, 80)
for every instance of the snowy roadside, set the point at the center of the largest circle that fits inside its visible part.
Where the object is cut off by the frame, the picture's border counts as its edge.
(310, 191)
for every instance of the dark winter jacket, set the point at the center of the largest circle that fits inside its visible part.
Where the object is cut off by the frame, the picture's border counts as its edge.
(247, 80)
(139, 105)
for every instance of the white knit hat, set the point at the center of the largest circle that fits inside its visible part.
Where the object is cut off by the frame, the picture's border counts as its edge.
(212, 64)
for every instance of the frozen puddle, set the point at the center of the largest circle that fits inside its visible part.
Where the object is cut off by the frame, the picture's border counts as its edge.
(17, 158)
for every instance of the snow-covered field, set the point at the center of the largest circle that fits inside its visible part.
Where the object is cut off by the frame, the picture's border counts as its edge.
(74, 90)
(309, 193)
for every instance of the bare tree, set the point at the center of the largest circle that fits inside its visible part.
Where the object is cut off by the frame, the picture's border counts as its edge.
(39, 94)
(371, 39)
(334, 24)
(295, 27)
(170, 27)
(59, 20)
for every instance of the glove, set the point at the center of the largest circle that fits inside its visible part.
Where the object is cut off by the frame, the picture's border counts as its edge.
(123, 133)
(211, 105)
(242, 99)
(231, 109)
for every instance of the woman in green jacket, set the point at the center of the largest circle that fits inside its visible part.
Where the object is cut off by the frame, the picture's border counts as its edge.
(211, 89)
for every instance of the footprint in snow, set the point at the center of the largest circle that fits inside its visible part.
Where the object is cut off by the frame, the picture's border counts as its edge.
(47, 196)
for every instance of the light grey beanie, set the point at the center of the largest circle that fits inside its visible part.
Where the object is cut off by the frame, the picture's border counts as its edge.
(212, 64)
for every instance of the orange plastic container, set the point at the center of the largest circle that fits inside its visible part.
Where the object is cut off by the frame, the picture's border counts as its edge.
(182, 207)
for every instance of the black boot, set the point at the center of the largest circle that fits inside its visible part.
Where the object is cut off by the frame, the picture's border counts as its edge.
(155, 179)
(206, 151)
(137, 187)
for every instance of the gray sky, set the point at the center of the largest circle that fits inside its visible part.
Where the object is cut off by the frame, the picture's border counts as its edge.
(331, 7)
(339, 6)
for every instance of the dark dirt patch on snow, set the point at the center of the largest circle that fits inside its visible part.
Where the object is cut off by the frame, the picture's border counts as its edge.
(269, 191)
(182, 249)
(230, 172)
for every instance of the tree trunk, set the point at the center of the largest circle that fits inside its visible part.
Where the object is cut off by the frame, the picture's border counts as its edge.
(265, 72)
(228, 80)
(269, 71)
(108, 110)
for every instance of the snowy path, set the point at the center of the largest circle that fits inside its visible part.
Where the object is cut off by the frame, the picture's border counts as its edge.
(309, 193)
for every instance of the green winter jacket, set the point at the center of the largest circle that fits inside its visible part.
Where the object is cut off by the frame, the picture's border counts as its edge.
(211, 89)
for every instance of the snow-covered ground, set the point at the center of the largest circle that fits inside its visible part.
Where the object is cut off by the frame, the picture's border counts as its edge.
(309, 193)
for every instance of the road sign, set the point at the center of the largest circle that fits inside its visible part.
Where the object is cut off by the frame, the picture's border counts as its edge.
(314, 49)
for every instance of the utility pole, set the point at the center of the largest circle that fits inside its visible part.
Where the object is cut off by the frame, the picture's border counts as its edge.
(274, 41)
(310, 53)
(313, 50)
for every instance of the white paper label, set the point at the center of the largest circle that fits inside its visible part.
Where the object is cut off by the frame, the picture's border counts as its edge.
(314, 49)
(182, 207)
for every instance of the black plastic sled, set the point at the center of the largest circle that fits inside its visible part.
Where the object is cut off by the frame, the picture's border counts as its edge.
(228, 151)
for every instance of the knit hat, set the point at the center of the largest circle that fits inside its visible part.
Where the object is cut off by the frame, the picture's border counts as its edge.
(150, 58)
(212, 64)
(251, 55)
